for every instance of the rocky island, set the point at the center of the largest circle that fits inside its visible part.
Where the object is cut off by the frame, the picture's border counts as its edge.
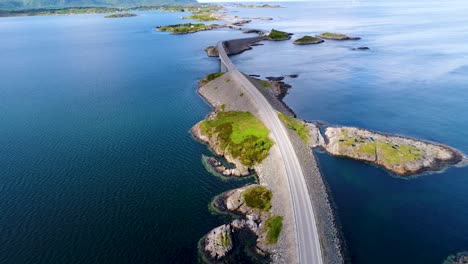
(119, 15)
(336, 36)
(277, 35)
(188, 28)
(308, 40)
(401, 155)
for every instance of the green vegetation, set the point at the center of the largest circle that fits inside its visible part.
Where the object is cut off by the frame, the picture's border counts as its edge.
(223, 106)
(388, 152)
(397, 155)
(187, 28)
(241, 94)
(265, 84)
(258, 197)
(28, 5)
(226, 240)
(278, 35)
(210, 77)
(297, 126)
(273, 225)
(228, 80)
(202, 17)
(308, 39)
(48, 7)
(332, 35)
(120, 15)
(240, 134)
(336, 36)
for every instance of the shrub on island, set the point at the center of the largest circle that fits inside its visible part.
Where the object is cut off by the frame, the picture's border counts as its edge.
(278, 35)
(308, 40)
(336, 36)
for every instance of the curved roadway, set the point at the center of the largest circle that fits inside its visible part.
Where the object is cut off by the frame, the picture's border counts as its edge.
(308, 245)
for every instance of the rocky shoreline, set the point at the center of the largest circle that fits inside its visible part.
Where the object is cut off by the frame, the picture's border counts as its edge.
(219, 242)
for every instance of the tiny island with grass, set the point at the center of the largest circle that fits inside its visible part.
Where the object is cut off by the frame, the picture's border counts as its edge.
(119, 15)
(278, 35)
(308, 40)
(187, 28)
(336, 36)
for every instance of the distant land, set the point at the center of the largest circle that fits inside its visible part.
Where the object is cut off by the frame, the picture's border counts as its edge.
(38, 4)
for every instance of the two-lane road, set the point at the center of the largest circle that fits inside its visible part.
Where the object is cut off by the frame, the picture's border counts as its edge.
(308, 244)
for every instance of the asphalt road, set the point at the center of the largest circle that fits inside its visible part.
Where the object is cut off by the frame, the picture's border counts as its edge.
(308, 244)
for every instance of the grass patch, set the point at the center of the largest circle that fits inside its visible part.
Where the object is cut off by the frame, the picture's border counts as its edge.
(273, 224)
(223, 106)
(308, 39)
(240, 134)
(397, 155)
(210, 77)
(201, 17)
(265, 84)
(258, 197)
(278, 35)
(332, 35)
(297, 126)
(241, 94)
(388, 152)
(228, 80)
(329, 35)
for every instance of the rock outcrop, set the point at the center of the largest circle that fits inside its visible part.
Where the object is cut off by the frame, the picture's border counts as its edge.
(218, 242)
(212, 51)
(233, 201)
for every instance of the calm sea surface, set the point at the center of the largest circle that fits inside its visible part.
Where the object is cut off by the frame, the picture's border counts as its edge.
(413, 81)
(97, 165)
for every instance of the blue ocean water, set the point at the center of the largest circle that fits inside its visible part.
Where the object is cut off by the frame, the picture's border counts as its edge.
(97, 162)
(412, 82)
(97, 165)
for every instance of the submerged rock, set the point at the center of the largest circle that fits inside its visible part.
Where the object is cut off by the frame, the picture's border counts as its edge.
(459, 258)
(361, 48)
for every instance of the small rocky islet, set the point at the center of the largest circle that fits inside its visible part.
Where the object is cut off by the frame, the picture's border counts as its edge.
(307, 40)
(336, 36)
(402, 156)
